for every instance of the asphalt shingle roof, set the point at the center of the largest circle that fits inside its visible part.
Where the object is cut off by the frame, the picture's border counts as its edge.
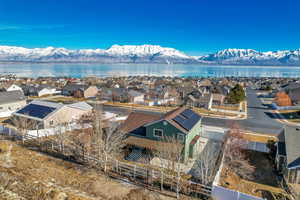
(292, 146)
(12, 96)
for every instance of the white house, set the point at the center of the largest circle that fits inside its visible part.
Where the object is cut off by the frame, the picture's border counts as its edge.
(135, 96)
(10, 102)
(47, 91)
(13, 87)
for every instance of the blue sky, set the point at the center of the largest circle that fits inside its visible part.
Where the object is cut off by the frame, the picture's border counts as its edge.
(193, 26)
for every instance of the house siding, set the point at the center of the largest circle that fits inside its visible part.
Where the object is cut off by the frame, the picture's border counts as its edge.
(92, 91)
(64, 115)
(138, 99)
(196, 130)
(170, 131)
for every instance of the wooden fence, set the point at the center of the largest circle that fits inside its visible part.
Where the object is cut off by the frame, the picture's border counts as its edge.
(150, 178)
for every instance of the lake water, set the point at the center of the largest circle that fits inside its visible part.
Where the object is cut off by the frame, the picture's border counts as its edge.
(104, 70)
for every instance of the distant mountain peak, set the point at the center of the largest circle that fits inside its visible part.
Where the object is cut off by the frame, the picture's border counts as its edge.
(148, 54)
(115, 54)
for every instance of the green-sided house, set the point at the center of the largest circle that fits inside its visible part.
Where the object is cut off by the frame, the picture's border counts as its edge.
(147, 131)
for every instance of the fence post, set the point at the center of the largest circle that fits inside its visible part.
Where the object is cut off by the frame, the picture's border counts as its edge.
(161, 180)
(152, 177)
(134, 169)
(117, 166)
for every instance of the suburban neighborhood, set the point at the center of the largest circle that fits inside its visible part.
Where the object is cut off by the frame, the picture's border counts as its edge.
(203, 138)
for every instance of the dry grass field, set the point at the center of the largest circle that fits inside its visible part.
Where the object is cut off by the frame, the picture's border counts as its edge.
(27, 174)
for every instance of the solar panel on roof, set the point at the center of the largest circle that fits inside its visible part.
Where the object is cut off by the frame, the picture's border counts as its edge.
(190, 123)
(187, 119)
(187, 113)
(35, 110)
(179, 120)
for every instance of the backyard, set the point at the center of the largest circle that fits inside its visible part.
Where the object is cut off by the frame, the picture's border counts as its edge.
(263, 183)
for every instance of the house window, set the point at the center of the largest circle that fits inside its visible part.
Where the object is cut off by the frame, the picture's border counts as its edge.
(180, 137)
(51, 122)
(158, 133)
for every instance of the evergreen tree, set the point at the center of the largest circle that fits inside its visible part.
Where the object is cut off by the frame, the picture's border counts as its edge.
(236, 94)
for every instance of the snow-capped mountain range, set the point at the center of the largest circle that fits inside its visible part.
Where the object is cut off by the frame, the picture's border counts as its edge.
(148, 54)
(252, 57)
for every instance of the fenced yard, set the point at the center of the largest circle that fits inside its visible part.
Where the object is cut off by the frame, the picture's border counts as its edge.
(154, 179)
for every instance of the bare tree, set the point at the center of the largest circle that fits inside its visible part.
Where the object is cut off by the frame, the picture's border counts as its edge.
(23, 125)
(60, 127)
(107, 137)
(169, 152)
(206, 163)
(235, 156)
(81, 142)
(112, 142)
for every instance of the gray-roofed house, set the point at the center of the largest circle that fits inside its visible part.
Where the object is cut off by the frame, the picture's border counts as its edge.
(293, 90)
(288, 154)
(47, 114)
(200, 101)
(10, 102)
(135, 96)
(80, 91)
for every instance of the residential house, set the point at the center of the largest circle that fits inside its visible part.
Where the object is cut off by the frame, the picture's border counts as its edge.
(13, 87)
(204, 83)
(218, 99)
(294, 95)
(135, 96)
(199, 100)
(288, 154)
(148, 131)
(160, 97)
(293, 91)
(46, 114)
(39, 90)
(80, 91)
(119, 95)
(10, 102)
(46, 90)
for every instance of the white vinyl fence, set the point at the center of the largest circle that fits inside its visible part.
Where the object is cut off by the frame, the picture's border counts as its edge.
(221, 193)
(43, 132)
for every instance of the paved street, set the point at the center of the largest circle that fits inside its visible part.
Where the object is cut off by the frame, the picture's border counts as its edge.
(257, 121)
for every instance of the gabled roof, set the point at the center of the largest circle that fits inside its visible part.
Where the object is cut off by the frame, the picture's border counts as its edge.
(39, 110)
(74, 87)
(81, 106)
(134, 93)
(12, 96)
(292, 146)
(294, 94)
(181, 118)
(138, 119)
(291, 86)
(201, 99)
